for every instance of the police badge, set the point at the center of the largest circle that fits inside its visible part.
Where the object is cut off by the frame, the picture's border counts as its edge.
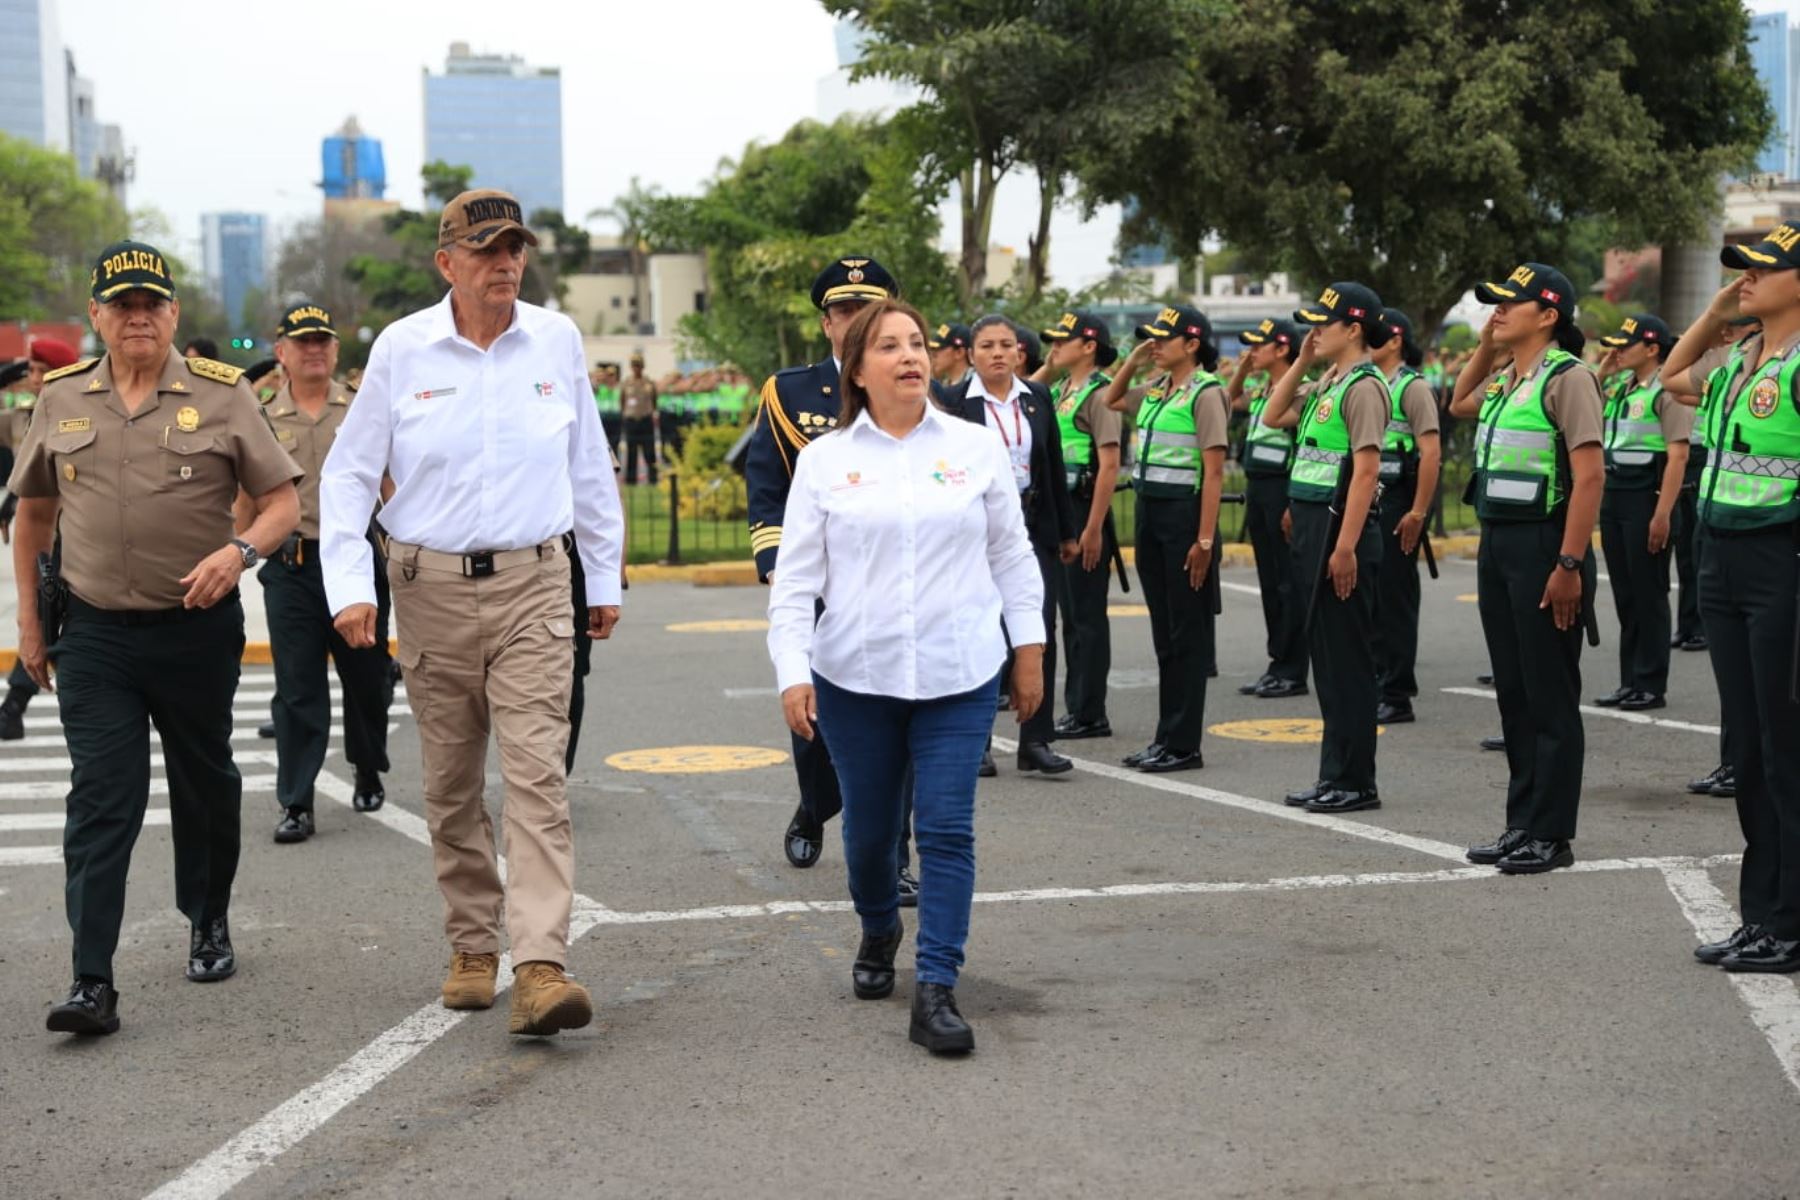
(1764, 397)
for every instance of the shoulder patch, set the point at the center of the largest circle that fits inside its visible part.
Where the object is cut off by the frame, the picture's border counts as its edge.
(206, 368)
(86, 364)
(26, 403)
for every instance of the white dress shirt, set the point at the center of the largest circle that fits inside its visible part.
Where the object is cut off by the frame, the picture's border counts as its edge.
(918, 547)
(1006, 416)
(489, 450)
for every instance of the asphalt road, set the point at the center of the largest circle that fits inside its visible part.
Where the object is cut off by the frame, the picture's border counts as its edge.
(1178, 987)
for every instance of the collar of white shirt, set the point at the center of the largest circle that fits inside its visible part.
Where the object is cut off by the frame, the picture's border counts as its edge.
(443, 324)
(865, 426)
(979, 388)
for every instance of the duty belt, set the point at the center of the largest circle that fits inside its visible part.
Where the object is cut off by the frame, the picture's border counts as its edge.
(477, 564)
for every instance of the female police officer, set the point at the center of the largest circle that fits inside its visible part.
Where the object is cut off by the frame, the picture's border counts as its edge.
(1181, 420)
(1340, 423)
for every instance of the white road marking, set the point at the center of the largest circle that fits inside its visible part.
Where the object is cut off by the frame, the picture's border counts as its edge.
(251, 717)
(53, 822)
(30, 856)
(1299, 816)
(1249, 589)
(60, 762)
(57, 789)
(1773, 1000)
(749, 693)
(1593, 710)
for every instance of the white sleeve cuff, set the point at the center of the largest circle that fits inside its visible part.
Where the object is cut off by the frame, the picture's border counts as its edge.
(794, 667)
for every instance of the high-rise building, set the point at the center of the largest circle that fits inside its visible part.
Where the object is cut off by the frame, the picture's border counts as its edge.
(34, 75)
(353, 165)
(1770, 55)
(99, 149)
(501, 117)
(235, 258)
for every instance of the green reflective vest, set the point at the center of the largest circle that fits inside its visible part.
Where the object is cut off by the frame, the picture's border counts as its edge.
(1753, 461)
(1169, 464)
(607, 399)
(1322, 444)
(1521, 467)
(1266, 451)
(1398, 445)
(1633, 439)
(1077, 444)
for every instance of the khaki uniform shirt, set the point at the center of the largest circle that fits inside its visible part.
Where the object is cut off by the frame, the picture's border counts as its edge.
(1419, 404)
(145, 496)
(308, 441)
(16, 421)
(1571, 401)
(637, 398)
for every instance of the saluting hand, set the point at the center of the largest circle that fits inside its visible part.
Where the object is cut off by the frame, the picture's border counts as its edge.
(1724, 304)
(212, 578)
(800, 708)
(601, 619)
(356, 625)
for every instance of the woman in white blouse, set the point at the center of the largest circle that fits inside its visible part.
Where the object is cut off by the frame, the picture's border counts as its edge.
(906, 522)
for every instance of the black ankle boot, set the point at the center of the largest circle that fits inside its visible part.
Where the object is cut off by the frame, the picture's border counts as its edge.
(936, 1025)
(872, 975)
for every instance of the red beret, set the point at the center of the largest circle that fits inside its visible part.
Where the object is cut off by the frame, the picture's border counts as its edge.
(52, 353)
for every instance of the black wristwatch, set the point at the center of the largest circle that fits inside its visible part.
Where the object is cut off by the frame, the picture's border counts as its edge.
(248, 551)
(1568, 562)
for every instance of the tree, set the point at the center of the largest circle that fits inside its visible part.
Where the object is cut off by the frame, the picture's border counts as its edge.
(632, 212)
(1422, 145)
(53, 224)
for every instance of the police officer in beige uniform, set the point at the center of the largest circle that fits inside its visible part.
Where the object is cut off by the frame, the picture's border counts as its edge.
(637, 416)
(140, 454)
(478, 408)
(306, 414)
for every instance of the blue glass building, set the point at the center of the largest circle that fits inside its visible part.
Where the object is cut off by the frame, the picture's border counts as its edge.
(1769, 55)
(235, 259)
(501, 117)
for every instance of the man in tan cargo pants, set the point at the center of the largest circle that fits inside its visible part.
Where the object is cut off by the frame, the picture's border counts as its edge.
(479, 409)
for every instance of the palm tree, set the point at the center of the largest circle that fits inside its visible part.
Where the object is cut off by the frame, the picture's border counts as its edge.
(630, 212)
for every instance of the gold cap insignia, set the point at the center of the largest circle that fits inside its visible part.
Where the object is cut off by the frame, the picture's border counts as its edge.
(187, 420)
(855, 275)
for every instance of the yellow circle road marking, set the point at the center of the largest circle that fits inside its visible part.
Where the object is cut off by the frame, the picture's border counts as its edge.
(728, 625)
(1127, 610)
(696, 760)
(1288, 730)
(1468, 597)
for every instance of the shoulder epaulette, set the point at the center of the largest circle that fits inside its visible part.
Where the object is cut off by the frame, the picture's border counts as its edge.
(86, 364)
(206, 368)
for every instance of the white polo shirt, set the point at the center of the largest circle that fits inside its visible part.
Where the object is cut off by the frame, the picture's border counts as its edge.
(489, 450)
(918, 547)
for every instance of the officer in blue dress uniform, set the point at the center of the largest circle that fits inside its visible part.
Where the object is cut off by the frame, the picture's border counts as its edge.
(796, 406)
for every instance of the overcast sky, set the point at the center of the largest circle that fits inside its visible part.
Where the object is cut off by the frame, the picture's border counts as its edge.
(225, 101)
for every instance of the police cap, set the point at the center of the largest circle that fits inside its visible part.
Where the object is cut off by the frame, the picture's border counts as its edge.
(1532, 281)
(1778, 251)
(951, 333)
(852, 278)
(131, 267)
(303, 317)
(1181, 320)
(1647, 328)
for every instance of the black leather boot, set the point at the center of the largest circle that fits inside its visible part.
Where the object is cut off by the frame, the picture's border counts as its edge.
(210, 957)
(936, 1025)
(872, 975)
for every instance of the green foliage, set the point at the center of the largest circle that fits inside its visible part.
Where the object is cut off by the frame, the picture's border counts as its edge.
(53, 224)
(709, 488)
(1458, 339)
(770, 221)
(1421, 145)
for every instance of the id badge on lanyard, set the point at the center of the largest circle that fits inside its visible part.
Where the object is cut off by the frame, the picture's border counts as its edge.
(1016, 450)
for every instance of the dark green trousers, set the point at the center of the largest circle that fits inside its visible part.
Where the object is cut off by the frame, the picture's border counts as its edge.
(1396, 599)
(300, 636)
(1640, 587)
(1181, 619)
(1341, 637)
(1537, 674)
(1684, 529)
(1283, 603)
(116, 678)
(1087, 633)
(1747, 601)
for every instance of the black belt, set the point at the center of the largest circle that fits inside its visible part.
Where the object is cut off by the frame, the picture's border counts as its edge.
(143, 616)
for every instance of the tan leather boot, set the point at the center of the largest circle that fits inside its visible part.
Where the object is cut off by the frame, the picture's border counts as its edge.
(470, 983)
(546, 1000)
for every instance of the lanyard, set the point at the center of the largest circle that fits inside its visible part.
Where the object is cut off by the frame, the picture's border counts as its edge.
(1018, 437)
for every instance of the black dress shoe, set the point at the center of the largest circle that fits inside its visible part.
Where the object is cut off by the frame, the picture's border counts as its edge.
(1639, 701)
(1342, 800)
(1713, 952)
(1727, 786)
(1485, 680)
(1139, 758)
(1694, 641)
(909, 889)
(1172, 760)
(12, 722)
(804, 839)
(872, 975)
(92, 1008)
(1038, 756)
(1704, 785)
(1280, 689)
(1249, 689)
(1306, 796)
(1767, 955)
(1489, 853)
(987, 769)
(1393, 714)
(1493, 743)
(1536, 856)
(936, 1025)
(1070, 729)
(296, 825)
(210, 957)
(1615, 697)
(266, 730)
(369, 794)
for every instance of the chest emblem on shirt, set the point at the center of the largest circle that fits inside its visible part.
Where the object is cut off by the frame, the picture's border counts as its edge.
(434, 393)
(949, 476)
(1637, 410)
(853, 479)
(1323, 412)
(1763, 398)
(546, 388)
(187, 419)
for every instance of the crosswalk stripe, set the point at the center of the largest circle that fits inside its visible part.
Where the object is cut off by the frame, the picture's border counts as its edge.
(56, 789)
(30, 856)
(60, 762)
(54, 821)
(250, 717)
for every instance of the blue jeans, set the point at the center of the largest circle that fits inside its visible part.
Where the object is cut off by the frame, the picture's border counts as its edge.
(871, 739)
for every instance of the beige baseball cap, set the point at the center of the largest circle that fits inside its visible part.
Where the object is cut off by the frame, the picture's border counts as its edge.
(476, 217)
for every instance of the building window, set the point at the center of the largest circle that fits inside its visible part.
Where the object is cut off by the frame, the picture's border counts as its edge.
(615, 302)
